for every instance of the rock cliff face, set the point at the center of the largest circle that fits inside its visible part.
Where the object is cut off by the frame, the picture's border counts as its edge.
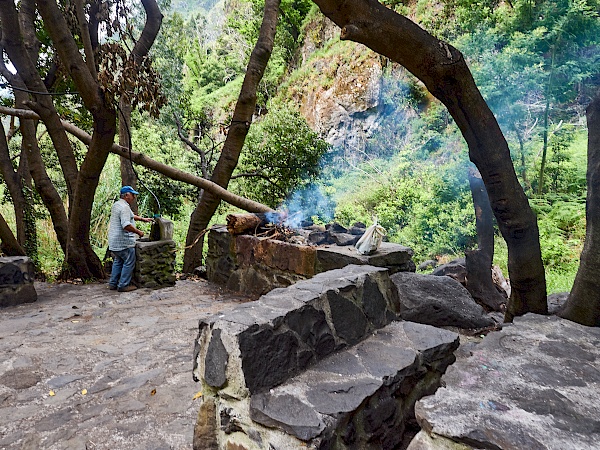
(341, 99)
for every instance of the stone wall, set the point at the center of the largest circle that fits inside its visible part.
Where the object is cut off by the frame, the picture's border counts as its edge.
(155, 264)
(256, 265)
(320, 364)
(17, 274)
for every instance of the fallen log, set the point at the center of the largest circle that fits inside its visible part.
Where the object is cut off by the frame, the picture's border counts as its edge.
(244, 223)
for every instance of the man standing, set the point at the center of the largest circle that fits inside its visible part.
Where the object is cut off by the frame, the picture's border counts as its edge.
(121, 240)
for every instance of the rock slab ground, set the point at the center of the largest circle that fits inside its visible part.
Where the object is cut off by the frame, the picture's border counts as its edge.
(534, 385)
(89, 368)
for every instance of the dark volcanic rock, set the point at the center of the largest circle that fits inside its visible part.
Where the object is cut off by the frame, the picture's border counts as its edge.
(456, 269)
(288, 413)
(17, 274)
(349, 320)
(438, 301)
(216, 361)
(533, 385)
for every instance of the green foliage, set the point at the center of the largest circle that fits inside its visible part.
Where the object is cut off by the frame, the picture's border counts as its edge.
(158, 141)
(427, 208)
(281, 154)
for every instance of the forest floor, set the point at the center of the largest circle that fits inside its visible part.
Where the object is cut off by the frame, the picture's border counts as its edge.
(88, 368)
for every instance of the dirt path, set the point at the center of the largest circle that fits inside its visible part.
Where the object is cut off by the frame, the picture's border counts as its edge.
(89, 368)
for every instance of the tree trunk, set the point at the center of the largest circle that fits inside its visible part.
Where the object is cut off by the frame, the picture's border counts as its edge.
(541, 174)
(80, 260)
(140, 50)
(583, 304)
(240, 123)
(522, 168)
(479, 262)
(22, 48)
(128, 177)
(10, 246)
(14, 185)
(444, 72)
(43, 184)
(243, 223)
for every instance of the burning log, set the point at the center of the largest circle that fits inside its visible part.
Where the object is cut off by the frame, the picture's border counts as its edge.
(243, 223)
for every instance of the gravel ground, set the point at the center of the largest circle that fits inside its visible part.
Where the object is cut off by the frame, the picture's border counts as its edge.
(85, 367)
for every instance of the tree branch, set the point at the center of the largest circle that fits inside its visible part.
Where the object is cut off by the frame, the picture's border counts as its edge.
(143, 160)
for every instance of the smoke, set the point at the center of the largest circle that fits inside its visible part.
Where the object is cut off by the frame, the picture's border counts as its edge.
(306, 205)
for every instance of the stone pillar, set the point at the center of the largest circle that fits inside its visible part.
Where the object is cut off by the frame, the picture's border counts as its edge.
(16, 281)
(155, 264)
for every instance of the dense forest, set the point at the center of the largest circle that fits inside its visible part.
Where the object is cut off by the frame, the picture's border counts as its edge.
(338, 132)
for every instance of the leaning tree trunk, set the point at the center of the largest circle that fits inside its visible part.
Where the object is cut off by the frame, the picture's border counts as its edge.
(446, 75)
(10, 246)
(22, 47)
(240, 124)
(14, 185)
(583, 304)
(143, 160)
(479, 262)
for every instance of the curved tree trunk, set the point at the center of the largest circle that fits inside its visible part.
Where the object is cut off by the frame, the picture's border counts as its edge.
(240, 124)
(80, 260)
(583, 304)
(22, 47)
(140, 50)
(479, 262)
(444, 72)
(42, 181)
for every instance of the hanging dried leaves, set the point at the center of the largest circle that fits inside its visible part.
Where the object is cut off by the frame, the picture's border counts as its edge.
(120, 76)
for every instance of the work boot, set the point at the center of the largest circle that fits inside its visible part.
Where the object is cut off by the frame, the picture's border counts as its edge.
(112, 288)
(129, 288)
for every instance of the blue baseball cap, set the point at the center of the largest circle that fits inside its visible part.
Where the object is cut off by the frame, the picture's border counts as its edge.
(126, 189)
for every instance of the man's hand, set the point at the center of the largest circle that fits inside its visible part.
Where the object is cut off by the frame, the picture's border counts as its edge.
(133, 229)
(143, 219)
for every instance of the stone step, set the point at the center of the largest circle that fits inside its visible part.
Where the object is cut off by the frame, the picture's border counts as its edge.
(263, 343)
(361, 397)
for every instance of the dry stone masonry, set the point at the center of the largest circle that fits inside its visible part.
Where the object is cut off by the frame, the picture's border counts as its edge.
(155, 264)
(155, 258)
(255, 265)
(17, 274)
(321, 364)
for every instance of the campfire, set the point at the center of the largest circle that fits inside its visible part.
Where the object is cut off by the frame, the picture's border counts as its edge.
(277, 226)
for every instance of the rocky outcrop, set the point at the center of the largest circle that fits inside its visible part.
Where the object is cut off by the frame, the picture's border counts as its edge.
(533, 385)
(438, 301)
(344, 105)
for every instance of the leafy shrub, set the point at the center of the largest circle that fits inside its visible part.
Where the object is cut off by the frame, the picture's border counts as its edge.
(281, 154)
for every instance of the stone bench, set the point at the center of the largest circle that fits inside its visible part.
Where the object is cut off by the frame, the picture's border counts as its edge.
(333, 333)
